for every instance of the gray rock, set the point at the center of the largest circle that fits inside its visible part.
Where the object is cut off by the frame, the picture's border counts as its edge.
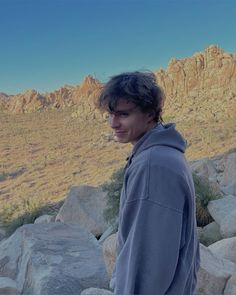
(2, 233)
(210, 234)
(228, 225)
(214, 273)
(54, 258)
(225, 248)
(8, 287)
(96, 291)
(205, 168)
(45, 219)
(109, 253)
(229, 173)
(220, 208)
(230, 288)
(85, 206)
(111, 230)
(230, 189)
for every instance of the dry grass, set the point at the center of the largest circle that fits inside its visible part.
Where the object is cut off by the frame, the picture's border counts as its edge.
(43, 154)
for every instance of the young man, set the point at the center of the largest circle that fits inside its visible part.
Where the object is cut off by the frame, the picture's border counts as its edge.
(157, 248)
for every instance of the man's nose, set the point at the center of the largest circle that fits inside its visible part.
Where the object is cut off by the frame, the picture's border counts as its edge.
(114, 121)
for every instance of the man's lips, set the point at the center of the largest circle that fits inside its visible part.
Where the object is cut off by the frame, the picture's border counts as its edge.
(119, 132)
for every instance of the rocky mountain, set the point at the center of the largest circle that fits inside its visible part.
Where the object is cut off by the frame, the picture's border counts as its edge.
(32, 101)
(203, 84)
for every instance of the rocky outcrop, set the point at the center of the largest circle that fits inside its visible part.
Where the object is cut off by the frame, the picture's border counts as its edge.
(84, 96)
(56, 258)
(30, 101)
(4, 98)
(203, 83)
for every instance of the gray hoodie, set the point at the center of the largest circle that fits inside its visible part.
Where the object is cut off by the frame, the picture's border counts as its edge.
(157, 247)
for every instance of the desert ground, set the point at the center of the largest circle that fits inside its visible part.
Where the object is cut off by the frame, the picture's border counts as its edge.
(44, 154)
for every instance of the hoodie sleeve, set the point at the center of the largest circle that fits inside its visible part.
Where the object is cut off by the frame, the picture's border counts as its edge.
(150, 232)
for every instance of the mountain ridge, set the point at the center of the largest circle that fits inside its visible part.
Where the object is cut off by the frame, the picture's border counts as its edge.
(203, 83)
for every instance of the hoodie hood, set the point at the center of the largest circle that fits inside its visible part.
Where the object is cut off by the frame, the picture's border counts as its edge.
(163, 135)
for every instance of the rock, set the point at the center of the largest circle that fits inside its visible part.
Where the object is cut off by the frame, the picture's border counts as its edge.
(85, 206)
(228, 225)
(229, 174)
(45, 219)
(96, 291)
(2, 233)
(214, 273)
(202, 78)
(230, 288)
(230, 189)
(220, 208)
(109, 253)
(225, 248)
(111, 230)
(205, 168)
(8, 287)
(210, 234)
(53, 258)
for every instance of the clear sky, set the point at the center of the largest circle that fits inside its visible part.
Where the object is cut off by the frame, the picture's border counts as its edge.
(45, 44)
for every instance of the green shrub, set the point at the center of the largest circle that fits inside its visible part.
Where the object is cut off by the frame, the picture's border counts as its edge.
(22, 212)
(113, 190)
(203, 189)
(204, 194)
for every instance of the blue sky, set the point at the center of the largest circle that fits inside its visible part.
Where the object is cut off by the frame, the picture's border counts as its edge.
(45, 44)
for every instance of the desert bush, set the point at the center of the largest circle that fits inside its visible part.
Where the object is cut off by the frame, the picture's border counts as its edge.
(23, 211)
(204, 194)
(113, 189)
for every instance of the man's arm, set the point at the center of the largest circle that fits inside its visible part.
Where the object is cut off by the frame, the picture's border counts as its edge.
(152, 234)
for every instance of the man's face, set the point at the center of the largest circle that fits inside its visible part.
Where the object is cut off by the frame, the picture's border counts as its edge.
(129, 122)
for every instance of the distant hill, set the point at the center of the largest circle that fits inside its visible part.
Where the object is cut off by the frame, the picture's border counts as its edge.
(200, 87)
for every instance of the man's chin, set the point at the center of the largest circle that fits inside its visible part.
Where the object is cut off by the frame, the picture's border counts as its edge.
(120, 140)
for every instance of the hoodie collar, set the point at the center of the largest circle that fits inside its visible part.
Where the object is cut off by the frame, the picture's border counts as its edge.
(163, 135)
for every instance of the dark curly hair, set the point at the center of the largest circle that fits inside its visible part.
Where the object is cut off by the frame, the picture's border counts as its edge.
(138, 87)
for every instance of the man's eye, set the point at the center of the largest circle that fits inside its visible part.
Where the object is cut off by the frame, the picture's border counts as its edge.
(124, 114)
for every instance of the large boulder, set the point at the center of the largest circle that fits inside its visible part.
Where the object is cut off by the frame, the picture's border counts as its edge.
(54, 258)
(220, 208)
(225, 248)
(109, 253)
(214, 273)
(85, 206)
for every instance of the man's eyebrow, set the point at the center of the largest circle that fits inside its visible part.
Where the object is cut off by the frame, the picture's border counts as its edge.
(123, 111)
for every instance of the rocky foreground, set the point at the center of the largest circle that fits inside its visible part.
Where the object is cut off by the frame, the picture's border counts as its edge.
(73, 252)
